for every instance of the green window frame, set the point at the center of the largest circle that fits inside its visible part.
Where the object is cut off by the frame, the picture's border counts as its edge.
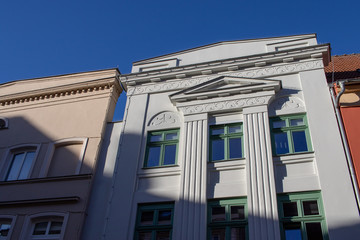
(226, 142)
(154, 221)
(162, 148)
(302, 216)
(228, 219)
(290, 134)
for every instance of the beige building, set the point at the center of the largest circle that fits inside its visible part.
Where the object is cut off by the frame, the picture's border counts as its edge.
(51, 131)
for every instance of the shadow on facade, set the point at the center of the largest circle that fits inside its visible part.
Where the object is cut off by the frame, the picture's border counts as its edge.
(39, 176)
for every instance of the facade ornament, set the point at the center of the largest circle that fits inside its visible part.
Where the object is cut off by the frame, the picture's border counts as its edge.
(164, 119)
(225, 105)
(286, 105)
(253, 73)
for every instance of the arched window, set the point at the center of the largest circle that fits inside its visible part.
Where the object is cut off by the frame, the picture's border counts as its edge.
(45, 226)
(19, 162)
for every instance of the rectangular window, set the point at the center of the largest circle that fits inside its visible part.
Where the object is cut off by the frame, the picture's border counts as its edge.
(162, 147)
(290, 134)
(20, 165)
(227, 219)
(226, 142)
(154, 221)
(302, 216)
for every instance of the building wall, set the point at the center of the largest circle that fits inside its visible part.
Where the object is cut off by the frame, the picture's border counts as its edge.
(282, 78)
(63, 119)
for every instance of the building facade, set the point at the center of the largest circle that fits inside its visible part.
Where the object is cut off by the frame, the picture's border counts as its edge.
(233, 140)
(343, 75)
(51, 131)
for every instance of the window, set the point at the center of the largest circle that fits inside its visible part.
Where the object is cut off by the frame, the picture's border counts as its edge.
(226, 142)
(20, 165)
(154, 222)
(162, 148)
(302, 216)
(5, 226)
(290, 134)
(47, 229)
(227, 219)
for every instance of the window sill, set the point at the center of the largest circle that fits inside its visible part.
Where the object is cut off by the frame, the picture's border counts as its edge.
(161, 170)
(224, 164)
(295, 156)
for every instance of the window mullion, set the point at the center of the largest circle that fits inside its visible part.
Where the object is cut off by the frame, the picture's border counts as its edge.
(21, 165)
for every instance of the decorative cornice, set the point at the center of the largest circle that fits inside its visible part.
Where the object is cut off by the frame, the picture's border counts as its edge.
(225, 105)
(286, 105)
(311, 52)
(60, 91)
(251, 73)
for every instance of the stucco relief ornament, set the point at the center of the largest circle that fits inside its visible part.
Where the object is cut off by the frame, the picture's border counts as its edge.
(287, 104)
(164, 118)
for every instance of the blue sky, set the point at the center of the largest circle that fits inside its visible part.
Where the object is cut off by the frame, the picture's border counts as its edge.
(41, 38)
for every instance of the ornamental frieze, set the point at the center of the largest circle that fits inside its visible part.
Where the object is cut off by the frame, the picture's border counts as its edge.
(254, 73)
(225, 105)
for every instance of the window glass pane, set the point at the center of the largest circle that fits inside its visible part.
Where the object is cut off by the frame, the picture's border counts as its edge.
(163, 235)
(218, 234)
(144, 235)
(147, 218)
(24, 173)
(217, 149)
(310, 208)
(238, 233)
(237, 212)
(217, 214)
(290, 209)
(299, 139)
(164, 217)
(281, 143)
(40, 228)
(55, 228)
(4, 229)
(313, 231)
(279, 124)
(296, 122)
(170, 154)
(153, 156)
(171, 136)
(235, 147)
(234, 129)
(217, 131)
(15, 166)
(156, 138)
(292, 231)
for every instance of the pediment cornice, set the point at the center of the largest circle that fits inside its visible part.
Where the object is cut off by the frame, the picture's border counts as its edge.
(224, 86)
(242, 63)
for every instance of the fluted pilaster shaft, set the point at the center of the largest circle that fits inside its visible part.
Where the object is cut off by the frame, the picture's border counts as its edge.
(262, 201)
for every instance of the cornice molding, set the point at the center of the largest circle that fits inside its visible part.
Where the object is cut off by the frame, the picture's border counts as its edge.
(250, 73)
(233, 103)
(311, 52)
(61, 91)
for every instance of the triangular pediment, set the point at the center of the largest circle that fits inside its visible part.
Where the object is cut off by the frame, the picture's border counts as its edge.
(225, 86)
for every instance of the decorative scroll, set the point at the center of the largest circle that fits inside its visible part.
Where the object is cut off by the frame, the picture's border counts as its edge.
(224, 105)
(265, 71)
(286, 105)
(164, 119)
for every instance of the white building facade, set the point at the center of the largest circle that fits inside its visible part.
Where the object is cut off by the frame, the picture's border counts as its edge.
(233, 140)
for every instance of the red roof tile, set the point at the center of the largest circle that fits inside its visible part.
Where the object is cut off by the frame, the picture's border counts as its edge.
(345, 67)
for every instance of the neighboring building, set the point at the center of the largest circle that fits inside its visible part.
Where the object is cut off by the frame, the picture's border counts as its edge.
(51, 131)
(343, 75)
(232, 140)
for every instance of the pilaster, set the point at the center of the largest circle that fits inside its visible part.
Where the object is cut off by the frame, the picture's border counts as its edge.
(262, 204)
(191, 220)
